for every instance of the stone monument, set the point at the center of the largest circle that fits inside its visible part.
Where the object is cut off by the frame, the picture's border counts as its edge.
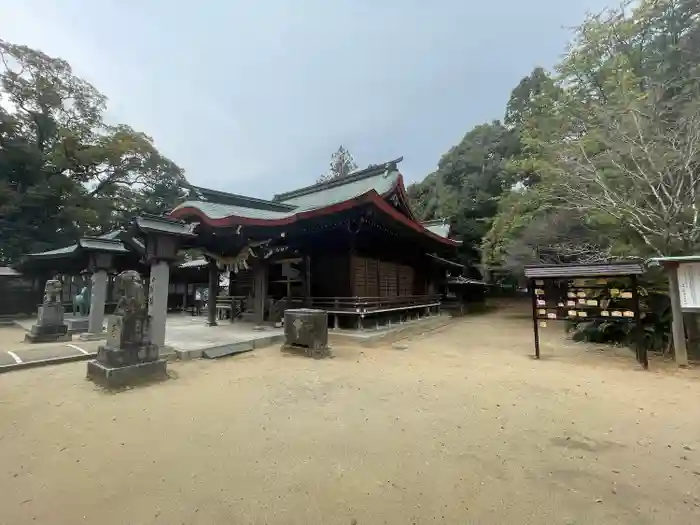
(129, 356)
(306, 329)
(50, 325)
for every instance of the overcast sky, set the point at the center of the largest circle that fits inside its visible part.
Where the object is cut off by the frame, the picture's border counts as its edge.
(252, 96)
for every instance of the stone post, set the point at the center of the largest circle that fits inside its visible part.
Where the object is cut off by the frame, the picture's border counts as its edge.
(158, 300)
(98, 299)
(99, 266)
(162, 238)
(213, 292)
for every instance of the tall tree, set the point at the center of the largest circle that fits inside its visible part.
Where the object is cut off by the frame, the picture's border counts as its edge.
(614, 137)
(341, 164)
(63, 171)
(466, 187)
(635, 151)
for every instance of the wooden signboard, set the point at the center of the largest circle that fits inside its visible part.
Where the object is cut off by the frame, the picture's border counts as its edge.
(689, 285)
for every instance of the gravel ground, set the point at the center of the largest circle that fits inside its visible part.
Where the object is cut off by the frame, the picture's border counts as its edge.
(461, 426)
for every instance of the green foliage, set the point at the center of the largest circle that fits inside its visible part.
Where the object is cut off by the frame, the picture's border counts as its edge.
(470, 178)
(63, 171)
(597, 160)
(611, 143)
(342, 163)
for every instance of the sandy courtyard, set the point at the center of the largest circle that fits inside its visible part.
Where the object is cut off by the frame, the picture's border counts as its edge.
(461, 428)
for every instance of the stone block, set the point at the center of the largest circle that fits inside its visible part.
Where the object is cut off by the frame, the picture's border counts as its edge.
(167, 352)
(89, 336)
(50, 315)
(225, 350)
(307, 328)
(78, 325)
(127, 356)
(47, 334)
(121, 376)
(186, 355)
(264, 342)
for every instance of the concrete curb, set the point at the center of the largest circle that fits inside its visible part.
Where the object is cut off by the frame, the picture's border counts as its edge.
(169, 353)
(46, 362)
(87, 336)
(214, 352)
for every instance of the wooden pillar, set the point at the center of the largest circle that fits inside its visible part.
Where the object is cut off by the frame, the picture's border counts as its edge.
(351, 264)
(535, 322)
(307, 281)
(642, 355)
(678, 329)
(213, 292)
(260, 292)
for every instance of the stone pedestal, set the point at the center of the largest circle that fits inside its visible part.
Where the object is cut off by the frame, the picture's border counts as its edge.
(129, 356)
(306, 329)
(120, 376)
(50, 326)
(77, 325)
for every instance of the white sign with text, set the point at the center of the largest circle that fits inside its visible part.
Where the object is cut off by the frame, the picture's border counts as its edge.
(689, 285)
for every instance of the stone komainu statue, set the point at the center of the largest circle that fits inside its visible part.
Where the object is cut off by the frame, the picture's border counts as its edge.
(132, 296)
(52, 291)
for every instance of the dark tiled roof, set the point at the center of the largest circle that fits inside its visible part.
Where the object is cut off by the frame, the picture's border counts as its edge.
(554, 271)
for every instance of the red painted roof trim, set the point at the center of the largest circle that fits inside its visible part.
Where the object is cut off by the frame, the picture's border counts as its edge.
(400, 188)
(371, 197)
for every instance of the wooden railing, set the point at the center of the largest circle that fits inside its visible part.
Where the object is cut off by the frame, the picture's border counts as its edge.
(230, 305)
(364, 305)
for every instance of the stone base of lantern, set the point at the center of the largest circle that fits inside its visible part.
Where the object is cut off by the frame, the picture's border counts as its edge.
(129, 375)
(48, 334)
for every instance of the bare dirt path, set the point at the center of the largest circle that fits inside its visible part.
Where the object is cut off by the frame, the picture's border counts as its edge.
(461, 427)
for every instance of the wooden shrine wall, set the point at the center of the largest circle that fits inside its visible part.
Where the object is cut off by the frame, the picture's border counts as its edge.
(374, 278)
(330, 275)
(345, 275)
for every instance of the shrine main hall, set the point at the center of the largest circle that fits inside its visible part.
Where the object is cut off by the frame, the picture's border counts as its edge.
(351, 246)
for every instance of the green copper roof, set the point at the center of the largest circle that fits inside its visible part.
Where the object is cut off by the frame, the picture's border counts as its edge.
(113, 235)
(381, 178)
(95, 244)
(67, 250)
(7, 271)
(102, 245)
(342, 190)
(233, 199)
(439, 227)
(196, 263)
(155, 224)
(217, 211)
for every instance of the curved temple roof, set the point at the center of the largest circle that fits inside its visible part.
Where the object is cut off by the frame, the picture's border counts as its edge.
(374, 186)
(439, 227)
